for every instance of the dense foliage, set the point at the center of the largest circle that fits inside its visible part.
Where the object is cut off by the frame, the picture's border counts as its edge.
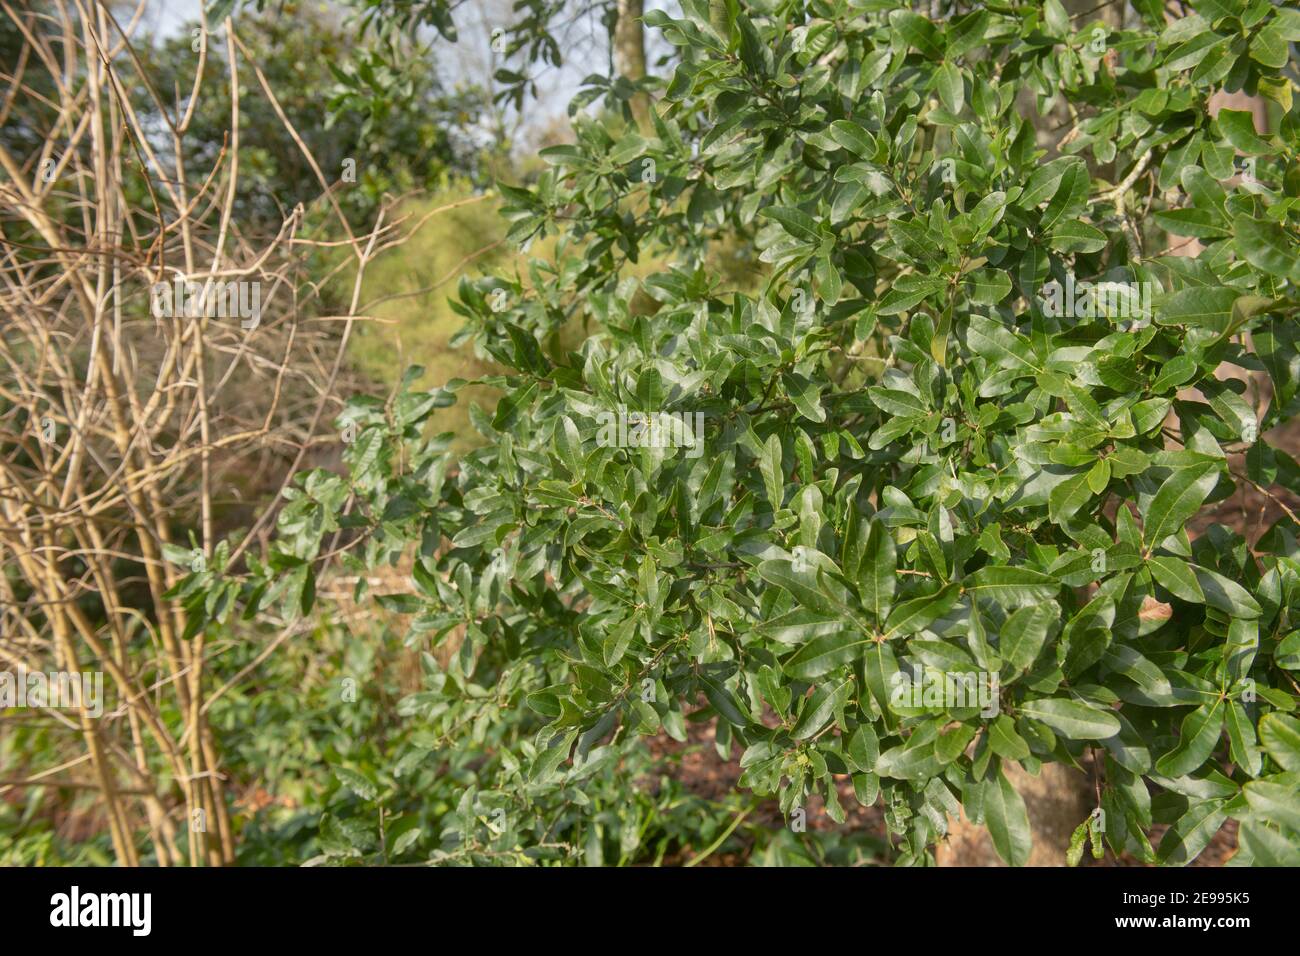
(916, 456)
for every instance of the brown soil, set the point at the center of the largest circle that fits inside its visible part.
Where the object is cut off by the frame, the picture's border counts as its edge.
(695, 764)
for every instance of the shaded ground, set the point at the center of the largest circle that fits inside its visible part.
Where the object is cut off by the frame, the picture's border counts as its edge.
(698, 767)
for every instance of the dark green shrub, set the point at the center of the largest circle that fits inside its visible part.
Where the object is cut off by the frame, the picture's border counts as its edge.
(913, 463)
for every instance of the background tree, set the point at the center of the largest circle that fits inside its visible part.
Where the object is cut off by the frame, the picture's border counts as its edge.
(388, 129)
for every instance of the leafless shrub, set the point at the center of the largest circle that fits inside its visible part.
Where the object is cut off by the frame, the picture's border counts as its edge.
(154, 360)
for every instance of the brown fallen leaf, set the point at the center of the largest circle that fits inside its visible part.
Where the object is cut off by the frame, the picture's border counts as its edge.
(1153, 610)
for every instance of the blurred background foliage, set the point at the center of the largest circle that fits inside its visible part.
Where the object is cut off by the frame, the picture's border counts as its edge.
(347, 100)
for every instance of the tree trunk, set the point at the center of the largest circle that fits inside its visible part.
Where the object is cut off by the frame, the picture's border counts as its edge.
(1057, 801)
(629, 55)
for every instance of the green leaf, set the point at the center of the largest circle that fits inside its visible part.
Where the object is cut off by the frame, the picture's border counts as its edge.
(818, 709)
(1266, 247)
(1191, 833)
(769, 466)
(569, 444)
(1076, 236)
(908, 762)
(1007, 820)
(952, 743)
(1073, 718)
(794, 221)
(1274, 801)
(895, 401)
(618, 639)
(803, 584)
(549, 760)
(218, 10)
(1193, 221)
(997, 344)
(989, 286)
(806, 397)
(177, 555)
(1012, 585)
(914, 615)
(1200, 307)
(563, 155)
(1190, 54)
(1267, 847)
(1134, 665)
(1066, 498)
(824, 654)
(1069, 198)
(864, 747)
(1241, 739)
(1225, 594)
(723, 701)
(1024, 633)
(952, 91)
(1280, 734)
(1005, 741)
(358, 783)
(1238, 128)
(1074, 853)
(1197, 739)
(866, 788)
(877, 576)
(917, 32)
(1177, 577)
(1205, 191)
(1178, 498)
(853, 138)
(1287, 23)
